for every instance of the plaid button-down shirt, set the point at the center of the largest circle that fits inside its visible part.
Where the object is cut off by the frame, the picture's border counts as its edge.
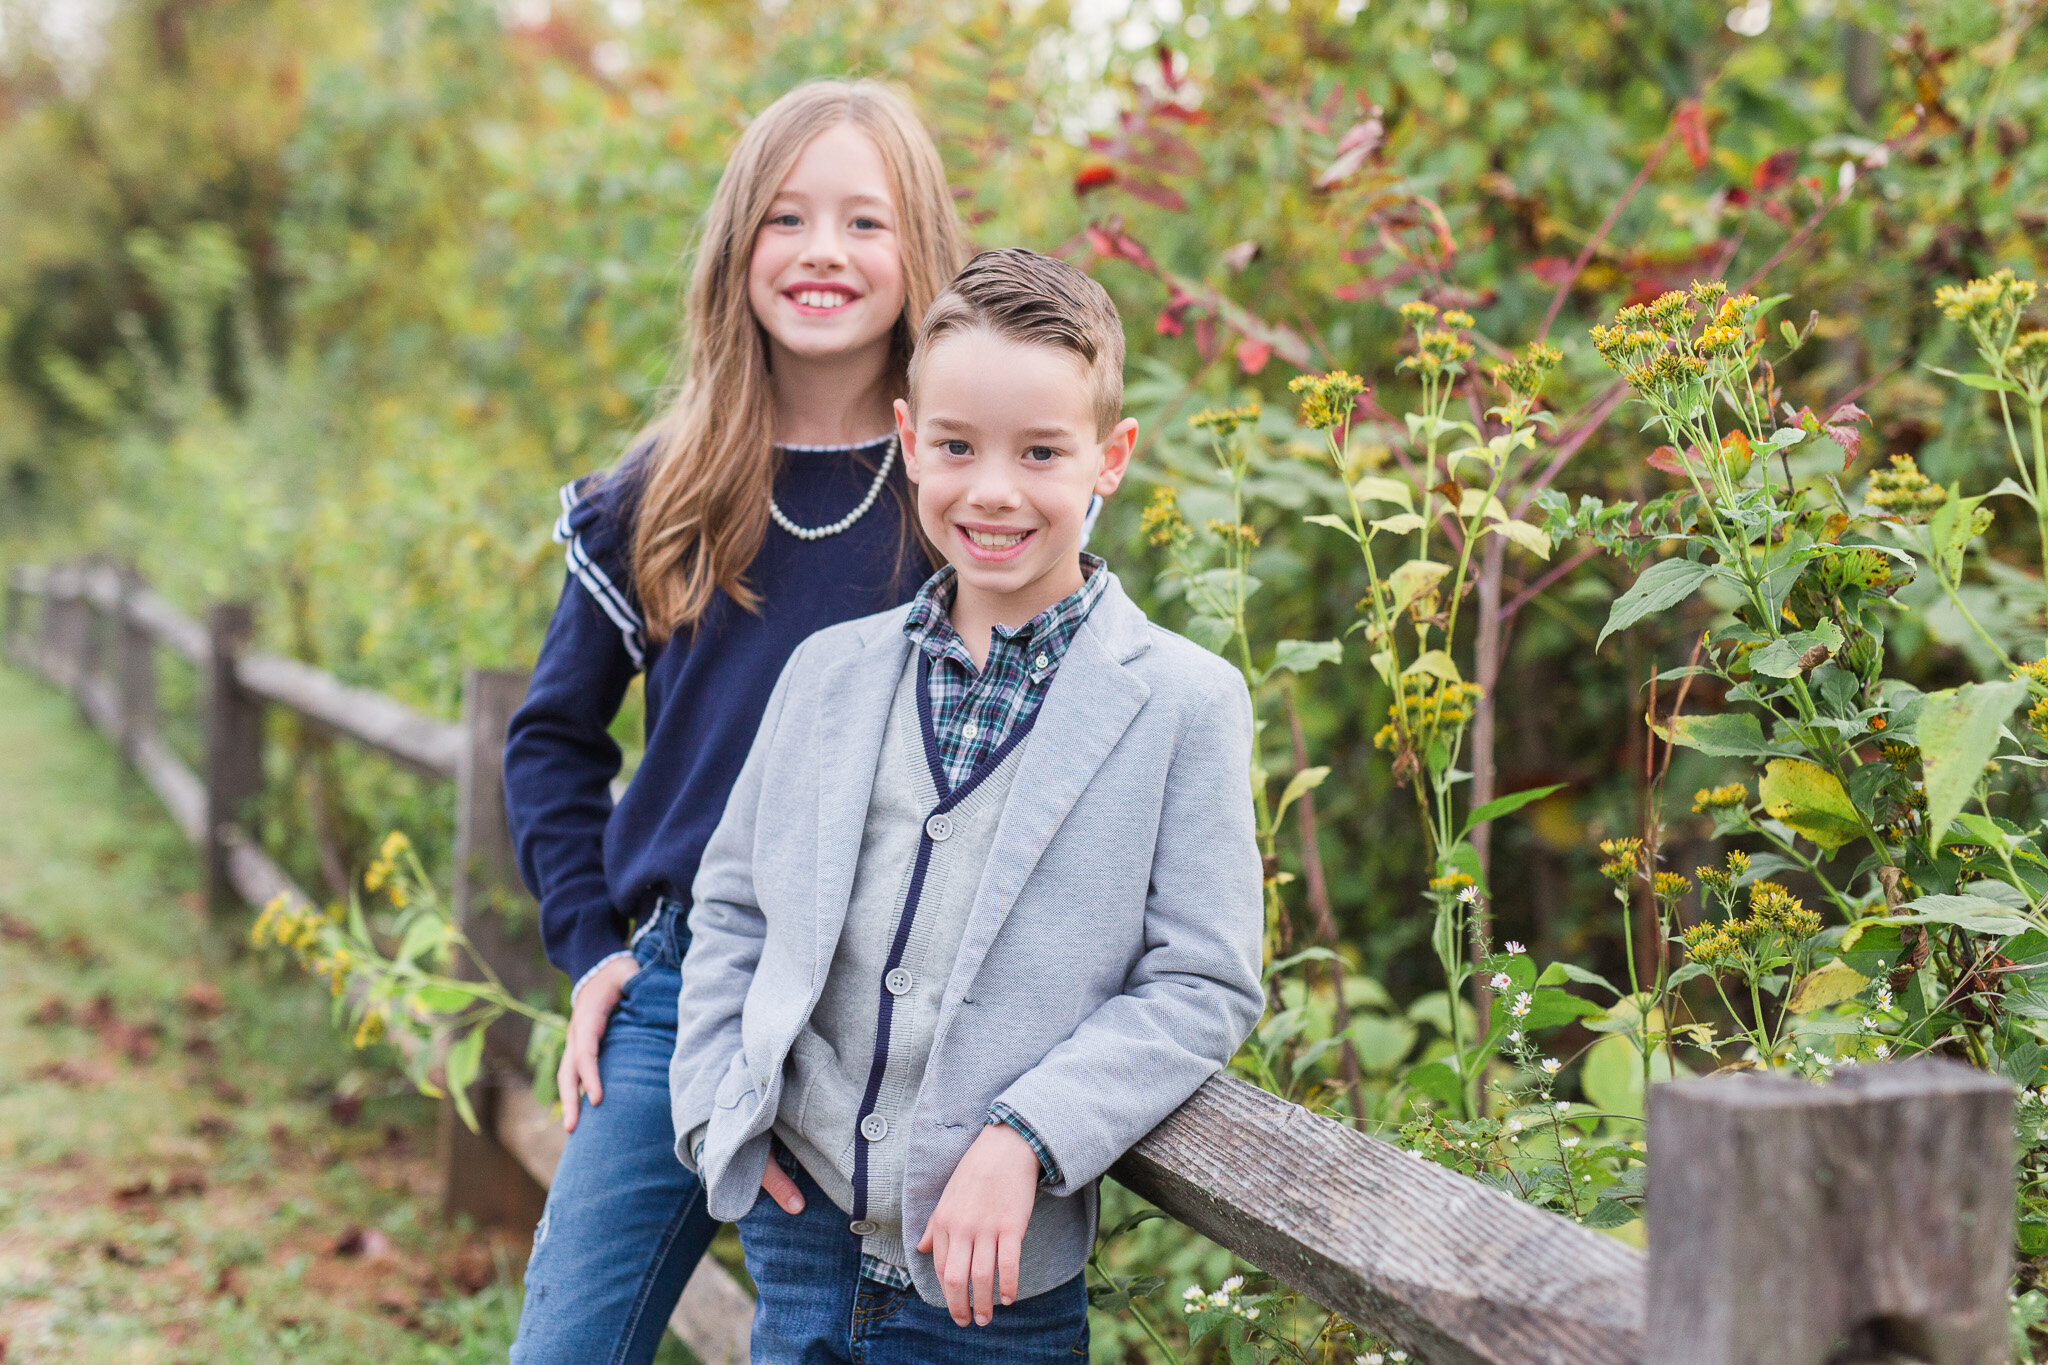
(974, 711)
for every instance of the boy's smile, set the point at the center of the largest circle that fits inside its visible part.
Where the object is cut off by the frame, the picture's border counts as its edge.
(1006, 454)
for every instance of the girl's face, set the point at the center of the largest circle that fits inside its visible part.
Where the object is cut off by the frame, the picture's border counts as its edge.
(827, 274)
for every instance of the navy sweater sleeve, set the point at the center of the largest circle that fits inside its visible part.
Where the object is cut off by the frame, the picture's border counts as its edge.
(560, 758)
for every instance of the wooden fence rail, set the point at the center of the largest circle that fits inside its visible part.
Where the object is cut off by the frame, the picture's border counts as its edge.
(1868, 1220)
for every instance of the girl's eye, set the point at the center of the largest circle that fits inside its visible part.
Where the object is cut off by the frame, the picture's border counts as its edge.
(955, 447)
(786, 220)
(1041, 455)
(867, 224)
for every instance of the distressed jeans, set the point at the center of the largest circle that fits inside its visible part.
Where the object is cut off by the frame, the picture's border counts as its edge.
(815, 1308)
(625, 1222)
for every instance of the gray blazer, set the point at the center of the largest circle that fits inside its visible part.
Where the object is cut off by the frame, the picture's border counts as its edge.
(1111, 958)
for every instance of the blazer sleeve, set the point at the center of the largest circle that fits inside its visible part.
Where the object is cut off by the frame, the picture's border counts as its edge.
(559, 755)
(1194, 994)
(727, 931)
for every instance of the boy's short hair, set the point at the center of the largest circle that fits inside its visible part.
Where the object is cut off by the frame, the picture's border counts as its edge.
(1022, 296)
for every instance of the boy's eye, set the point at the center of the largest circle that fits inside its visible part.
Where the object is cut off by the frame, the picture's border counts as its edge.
(954, 447)
(1041, 455)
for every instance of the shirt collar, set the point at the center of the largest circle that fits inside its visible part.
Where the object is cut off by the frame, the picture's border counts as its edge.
(1049, 632)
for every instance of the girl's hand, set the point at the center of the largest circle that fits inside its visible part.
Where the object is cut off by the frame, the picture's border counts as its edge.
(587, 1023)
(977, 1230)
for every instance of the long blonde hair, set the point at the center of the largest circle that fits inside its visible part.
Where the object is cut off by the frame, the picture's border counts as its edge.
(704, 504)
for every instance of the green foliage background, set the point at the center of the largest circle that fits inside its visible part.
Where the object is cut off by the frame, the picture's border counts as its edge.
(316, 305)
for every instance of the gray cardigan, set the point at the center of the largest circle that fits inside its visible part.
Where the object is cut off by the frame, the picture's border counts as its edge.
(1110, 962)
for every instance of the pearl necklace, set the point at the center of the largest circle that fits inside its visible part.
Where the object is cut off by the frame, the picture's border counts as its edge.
(874, 491)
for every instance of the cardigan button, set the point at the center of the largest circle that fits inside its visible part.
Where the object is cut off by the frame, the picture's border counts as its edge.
(874, 1127)
(898, 981)
(939, 828)
(863, 1227)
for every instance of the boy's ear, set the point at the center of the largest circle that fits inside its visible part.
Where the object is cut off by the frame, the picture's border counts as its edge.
(1116, 456)
(906, 439)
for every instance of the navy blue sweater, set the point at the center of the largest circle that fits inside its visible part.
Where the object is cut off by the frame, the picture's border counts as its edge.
(595, 867)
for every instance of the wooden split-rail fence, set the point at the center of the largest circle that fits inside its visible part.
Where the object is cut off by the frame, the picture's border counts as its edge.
(1868, 1220)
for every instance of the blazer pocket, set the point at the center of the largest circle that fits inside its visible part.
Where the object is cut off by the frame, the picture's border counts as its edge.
(736, 1085)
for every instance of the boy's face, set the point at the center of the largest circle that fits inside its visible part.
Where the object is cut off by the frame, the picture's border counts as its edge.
(1005, 453)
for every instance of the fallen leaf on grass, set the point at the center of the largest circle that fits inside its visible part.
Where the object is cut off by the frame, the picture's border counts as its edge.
(184, 1183)
(229, 1093)
(204, 999)
(473, 1269)
(134, 1190)
(212, 1126)
(17, 930)
(121, 1254)
(199, 1045)
(369, 1243)
(100, 1013)
(50, 1013)
(345, 1109)
(75, 946)
(67, 1072)
(228, 1282)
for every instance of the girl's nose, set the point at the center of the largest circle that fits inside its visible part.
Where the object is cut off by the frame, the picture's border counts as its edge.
(823, 249)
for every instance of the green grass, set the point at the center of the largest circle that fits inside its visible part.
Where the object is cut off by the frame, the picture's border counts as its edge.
(193, 1166)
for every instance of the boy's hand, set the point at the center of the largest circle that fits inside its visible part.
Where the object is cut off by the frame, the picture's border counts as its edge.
(781, 1188)
(588, 1020)
(978, 1228)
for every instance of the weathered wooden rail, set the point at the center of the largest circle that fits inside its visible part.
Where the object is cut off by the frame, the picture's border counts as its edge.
(1865, 1221)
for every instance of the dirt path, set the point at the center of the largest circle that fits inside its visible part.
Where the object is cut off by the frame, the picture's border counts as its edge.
(193, 1167)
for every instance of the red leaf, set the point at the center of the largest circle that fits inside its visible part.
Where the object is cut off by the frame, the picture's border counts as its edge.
(1100, 242)
(1357, 144)
(1667, 460)
(1253, 355)
(1775, 170)
(1166, 67)
(1154, 193)
(1129, 248)
(1094, 176)
(1692, 131)
(1551, 270)
(1238, 257)
(1169, 324)
(1205, 336)
(1850, 439)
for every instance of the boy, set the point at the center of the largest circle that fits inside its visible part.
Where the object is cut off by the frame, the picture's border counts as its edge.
(985, 904)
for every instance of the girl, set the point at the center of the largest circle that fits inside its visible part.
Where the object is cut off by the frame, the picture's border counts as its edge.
(765, 504)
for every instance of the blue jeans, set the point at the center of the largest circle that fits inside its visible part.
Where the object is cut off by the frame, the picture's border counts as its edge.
(815, 1308)
(625, 1221)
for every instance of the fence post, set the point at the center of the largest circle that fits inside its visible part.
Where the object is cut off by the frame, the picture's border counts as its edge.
(1865, 1220)
(234, 742)
(482, 1179)
(62, 642)
(134, 667)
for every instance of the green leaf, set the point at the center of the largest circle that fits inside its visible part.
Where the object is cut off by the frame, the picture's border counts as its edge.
(1304, 656)
(1586, 978)
(444, 999)
(1550, 1007)
(1478, 502)
(1212, 633)
(1732, 734)
(1974, 913)
(1612, 1074)
(1810, 799)
(1437, 664)
(1414, 579)
(1957, 734)
(1438, 1081)
(1336, 523)
(1534, 539)
(1381, 1043)
(1829, 985)
(1379, 488)
(1507, 805)
(1611, 1213)
(1400, 524)
(1307, 780)
(465, 1059)
(1296, 959)
(428, 931)
(1662, 586)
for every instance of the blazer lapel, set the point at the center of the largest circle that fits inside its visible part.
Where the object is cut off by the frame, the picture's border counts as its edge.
(856, 694)
(1092, 701)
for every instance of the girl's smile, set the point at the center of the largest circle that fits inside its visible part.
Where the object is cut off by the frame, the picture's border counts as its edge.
(817, 300)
